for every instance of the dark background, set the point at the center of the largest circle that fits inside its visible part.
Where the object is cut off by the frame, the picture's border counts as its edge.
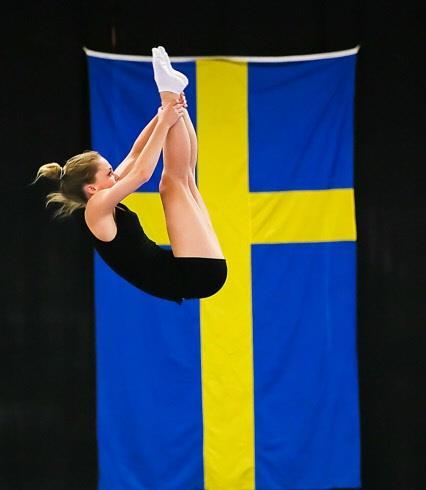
(47, 350)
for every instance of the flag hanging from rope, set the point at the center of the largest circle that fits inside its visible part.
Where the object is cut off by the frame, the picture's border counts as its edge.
(255, 387)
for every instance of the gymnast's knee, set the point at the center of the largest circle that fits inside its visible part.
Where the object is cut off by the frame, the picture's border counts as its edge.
(171, 181)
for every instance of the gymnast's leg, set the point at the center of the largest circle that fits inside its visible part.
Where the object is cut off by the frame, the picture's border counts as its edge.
(164, 67)
(193, 162)
(189, 232)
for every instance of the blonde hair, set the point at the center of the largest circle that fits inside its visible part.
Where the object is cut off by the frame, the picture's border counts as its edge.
(79, 170)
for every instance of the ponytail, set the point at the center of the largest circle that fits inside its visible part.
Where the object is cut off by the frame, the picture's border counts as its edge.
(78, 171)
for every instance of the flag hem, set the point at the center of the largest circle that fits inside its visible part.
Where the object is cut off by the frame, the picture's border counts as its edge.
(250, 59)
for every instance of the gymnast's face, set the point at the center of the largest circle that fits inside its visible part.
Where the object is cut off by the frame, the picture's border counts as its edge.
(105, 176)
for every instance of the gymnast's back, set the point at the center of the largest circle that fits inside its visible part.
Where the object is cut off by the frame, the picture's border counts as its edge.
(134, 256)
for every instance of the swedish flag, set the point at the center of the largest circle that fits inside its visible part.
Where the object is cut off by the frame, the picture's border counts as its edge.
(255, 387)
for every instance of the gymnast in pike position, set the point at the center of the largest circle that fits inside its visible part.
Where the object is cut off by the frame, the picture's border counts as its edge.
(195, 266)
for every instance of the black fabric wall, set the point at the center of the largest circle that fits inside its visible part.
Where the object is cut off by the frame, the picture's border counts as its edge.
(47, 343)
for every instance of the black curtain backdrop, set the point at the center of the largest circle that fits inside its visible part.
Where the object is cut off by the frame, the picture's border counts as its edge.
(47, 346)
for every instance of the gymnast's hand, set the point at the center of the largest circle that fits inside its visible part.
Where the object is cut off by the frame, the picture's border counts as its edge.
(182, 99)
(170, 113)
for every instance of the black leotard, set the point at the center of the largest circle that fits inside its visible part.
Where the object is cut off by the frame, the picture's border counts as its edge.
(153, 269)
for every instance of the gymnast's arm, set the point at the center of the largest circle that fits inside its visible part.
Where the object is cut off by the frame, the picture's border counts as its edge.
(128, 163)
(104, 201)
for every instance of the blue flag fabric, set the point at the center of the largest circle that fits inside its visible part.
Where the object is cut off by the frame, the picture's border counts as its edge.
(149, 366)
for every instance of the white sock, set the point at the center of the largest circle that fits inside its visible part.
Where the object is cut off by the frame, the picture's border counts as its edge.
(166, 58)
(165, 79)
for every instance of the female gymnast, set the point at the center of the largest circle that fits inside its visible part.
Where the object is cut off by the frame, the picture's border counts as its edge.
(195, 266)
